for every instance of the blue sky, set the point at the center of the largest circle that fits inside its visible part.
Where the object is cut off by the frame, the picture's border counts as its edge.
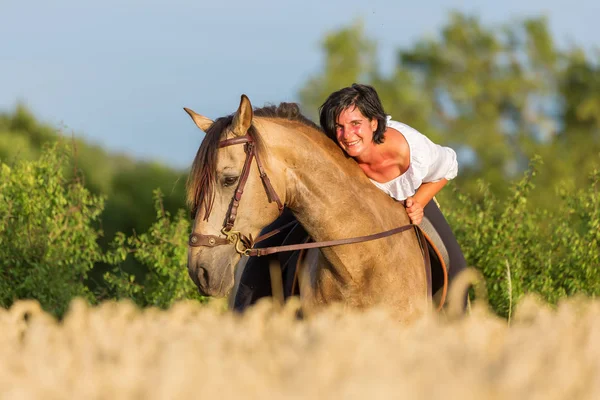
(118, 73)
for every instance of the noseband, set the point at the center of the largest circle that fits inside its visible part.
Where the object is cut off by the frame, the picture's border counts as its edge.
(242, 243)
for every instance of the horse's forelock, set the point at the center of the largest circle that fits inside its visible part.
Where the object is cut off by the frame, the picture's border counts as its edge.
(200, 183)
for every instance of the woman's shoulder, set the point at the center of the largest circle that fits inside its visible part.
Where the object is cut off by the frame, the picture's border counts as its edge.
(421, 150)
(406, 130)
(427, 157)
(416, 141)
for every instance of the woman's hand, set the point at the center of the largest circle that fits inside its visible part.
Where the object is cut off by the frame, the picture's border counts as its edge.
(414, 204)
(414, 209)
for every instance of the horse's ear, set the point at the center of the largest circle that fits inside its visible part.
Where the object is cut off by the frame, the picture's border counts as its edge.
(200, 121)
(243, 117)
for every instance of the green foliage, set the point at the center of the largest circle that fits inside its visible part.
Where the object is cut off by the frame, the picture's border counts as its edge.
(47, 235)
(577, 239)
(163, 250)
(522, 250)
(498, 95)
(349, 57)
(49, 242)
(126, 184)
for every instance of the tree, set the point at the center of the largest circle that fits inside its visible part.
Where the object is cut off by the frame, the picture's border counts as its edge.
(498, 96)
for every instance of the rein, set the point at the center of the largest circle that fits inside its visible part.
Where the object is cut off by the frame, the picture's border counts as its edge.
(277, 249)
(244, 245)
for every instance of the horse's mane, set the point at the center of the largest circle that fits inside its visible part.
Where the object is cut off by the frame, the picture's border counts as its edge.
(201, 180)
(286, 111)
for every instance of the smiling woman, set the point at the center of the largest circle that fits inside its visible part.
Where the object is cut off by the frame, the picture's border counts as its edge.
(395, 157)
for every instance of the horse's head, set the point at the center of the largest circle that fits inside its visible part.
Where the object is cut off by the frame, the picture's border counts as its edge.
(230, 193)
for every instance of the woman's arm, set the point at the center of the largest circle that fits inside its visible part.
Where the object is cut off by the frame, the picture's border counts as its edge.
(428, 190)
(415, 204)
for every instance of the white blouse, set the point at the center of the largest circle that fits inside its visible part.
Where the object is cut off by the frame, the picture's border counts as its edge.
(429, 162)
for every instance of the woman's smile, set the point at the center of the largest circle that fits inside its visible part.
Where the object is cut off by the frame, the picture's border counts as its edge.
(354, 131)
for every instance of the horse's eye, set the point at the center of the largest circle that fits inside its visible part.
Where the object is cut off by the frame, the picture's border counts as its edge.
(229, 180)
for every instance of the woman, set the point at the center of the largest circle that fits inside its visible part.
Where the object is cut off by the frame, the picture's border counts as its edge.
(395, 157)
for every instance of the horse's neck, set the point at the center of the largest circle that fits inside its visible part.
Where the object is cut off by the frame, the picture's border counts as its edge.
(328, 200)
(332, 198)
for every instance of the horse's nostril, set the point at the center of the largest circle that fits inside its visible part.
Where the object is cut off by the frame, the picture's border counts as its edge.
(202, 275)
(198, 274)
(200, 278)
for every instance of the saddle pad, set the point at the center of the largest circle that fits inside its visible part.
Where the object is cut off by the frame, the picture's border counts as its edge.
(430, 231)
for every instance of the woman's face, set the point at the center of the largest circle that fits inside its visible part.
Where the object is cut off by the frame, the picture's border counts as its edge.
(354, 131)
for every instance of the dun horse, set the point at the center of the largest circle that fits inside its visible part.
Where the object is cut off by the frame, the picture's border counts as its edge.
(253, 162)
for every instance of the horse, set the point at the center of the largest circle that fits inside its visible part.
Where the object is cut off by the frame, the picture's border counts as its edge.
(297, 166)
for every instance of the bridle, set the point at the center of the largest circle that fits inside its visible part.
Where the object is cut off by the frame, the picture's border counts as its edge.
(242, 243)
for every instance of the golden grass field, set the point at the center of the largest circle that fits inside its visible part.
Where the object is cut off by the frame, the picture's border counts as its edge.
(116, 351)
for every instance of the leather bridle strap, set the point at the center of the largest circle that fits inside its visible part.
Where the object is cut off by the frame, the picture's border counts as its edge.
(197, 240)
(251, 153)
(275, 231)
(239, 191)
(277, 249)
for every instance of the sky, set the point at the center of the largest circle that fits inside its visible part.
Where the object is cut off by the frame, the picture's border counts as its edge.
(118, 73)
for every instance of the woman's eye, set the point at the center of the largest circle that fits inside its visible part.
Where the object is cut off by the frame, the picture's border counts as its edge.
(229, 180)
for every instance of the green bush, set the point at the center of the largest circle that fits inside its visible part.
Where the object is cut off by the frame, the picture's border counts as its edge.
(48, 242)
(126, 184)
(523, 249)
(163, 250)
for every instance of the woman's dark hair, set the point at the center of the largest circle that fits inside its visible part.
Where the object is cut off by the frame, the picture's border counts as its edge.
(362, 96)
